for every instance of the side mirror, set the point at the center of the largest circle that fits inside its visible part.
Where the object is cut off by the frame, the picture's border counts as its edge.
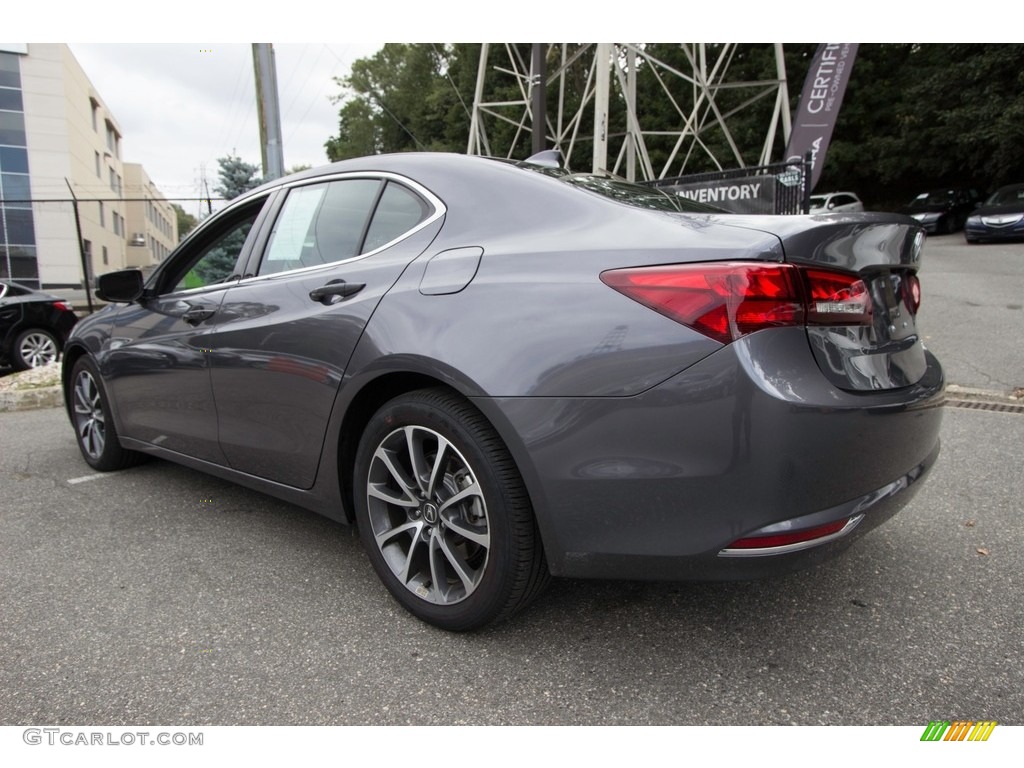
(831, 205)
(123, 286)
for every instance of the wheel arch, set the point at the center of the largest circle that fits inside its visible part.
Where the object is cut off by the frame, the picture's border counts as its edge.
(377, 390)
(72, 353)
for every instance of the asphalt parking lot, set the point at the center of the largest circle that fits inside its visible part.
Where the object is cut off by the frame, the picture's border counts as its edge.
(159, 595)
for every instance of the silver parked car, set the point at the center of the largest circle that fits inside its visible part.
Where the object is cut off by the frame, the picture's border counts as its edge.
(836, 202)
(503, 371)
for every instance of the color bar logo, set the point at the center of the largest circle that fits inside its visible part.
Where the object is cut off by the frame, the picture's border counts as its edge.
(958, 730)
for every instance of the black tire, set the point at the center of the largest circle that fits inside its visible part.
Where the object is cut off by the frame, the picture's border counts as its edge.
(443, 513)
(94, 425)
(34, 347)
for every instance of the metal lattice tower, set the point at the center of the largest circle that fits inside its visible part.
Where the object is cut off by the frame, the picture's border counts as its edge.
(604, 69)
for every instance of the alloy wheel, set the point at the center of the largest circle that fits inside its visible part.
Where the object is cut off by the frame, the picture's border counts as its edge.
(37, 348)
(90, 421)
(428, 515)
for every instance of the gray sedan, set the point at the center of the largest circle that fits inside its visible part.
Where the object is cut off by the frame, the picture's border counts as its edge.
(504, 371)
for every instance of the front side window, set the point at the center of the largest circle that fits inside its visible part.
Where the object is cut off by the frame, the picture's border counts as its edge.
(212, 261)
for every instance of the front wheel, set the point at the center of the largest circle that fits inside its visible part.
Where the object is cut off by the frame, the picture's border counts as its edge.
(94, 426)
(444, 514)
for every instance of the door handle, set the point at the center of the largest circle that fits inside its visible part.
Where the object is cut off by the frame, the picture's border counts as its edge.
(335, 290)
(196, 315)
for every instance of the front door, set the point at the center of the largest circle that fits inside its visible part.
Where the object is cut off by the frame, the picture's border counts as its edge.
(157, 363)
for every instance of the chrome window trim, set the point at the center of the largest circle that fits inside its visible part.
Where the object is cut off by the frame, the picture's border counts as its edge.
(433, 200)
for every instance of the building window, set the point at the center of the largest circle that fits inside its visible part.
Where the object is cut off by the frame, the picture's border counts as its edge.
(99, 167)
(113, 180)
(95, 111)
(10, 99)
(106, 260)
(102, 217)
(117, 223)
(112, 139)
(12, 129)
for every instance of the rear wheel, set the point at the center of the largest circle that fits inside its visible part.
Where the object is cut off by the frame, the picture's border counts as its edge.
(94, 427)
(444, 514)
(34, 348)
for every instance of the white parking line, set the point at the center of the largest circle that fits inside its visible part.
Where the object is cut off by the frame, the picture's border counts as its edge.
(86, 478)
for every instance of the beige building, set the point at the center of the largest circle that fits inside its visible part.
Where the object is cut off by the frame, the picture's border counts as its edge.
(152, 224)
(58, 142)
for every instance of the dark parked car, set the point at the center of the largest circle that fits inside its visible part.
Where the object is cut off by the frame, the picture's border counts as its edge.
(1001, 217)
(499, 373)
(943, 211)
(33, 326)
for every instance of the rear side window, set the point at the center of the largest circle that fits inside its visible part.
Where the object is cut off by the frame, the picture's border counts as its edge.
(399, 210)
(319, 224)
(338, 220)
(329, 222)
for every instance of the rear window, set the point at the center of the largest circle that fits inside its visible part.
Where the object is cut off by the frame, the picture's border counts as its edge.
(636, 195)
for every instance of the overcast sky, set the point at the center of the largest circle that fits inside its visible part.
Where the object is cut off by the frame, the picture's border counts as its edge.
(182, 106)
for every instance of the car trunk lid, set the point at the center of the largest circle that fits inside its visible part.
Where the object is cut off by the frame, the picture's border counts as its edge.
(884, 251)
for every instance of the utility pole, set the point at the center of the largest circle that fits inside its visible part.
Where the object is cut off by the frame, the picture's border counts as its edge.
(86, 266)
(269, 110)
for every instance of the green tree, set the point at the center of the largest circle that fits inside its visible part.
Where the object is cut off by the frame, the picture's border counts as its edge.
(236, 177)
(402, 99)
(922, 116)
(186, 221)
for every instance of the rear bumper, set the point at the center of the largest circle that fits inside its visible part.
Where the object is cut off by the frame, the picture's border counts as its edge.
(657, 485)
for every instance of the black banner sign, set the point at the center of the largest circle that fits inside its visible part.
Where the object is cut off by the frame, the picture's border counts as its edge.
(820, 101)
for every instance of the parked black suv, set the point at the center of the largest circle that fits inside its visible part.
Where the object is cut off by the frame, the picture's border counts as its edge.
(33, 326)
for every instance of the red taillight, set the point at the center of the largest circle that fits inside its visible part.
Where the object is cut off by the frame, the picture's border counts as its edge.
(836, 299)
(63, 306)
(789, 538)
(727, 300)
(912, 293)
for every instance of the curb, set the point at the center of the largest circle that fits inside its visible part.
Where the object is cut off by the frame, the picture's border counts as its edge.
(956, 392)
(31, 399)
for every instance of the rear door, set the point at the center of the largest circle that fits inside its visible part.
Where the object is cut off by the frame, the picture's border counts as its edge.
(283, 336)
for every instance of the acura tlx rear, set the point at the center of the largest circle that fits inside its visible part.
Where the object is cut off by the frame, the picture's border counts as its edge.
(793, 409)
